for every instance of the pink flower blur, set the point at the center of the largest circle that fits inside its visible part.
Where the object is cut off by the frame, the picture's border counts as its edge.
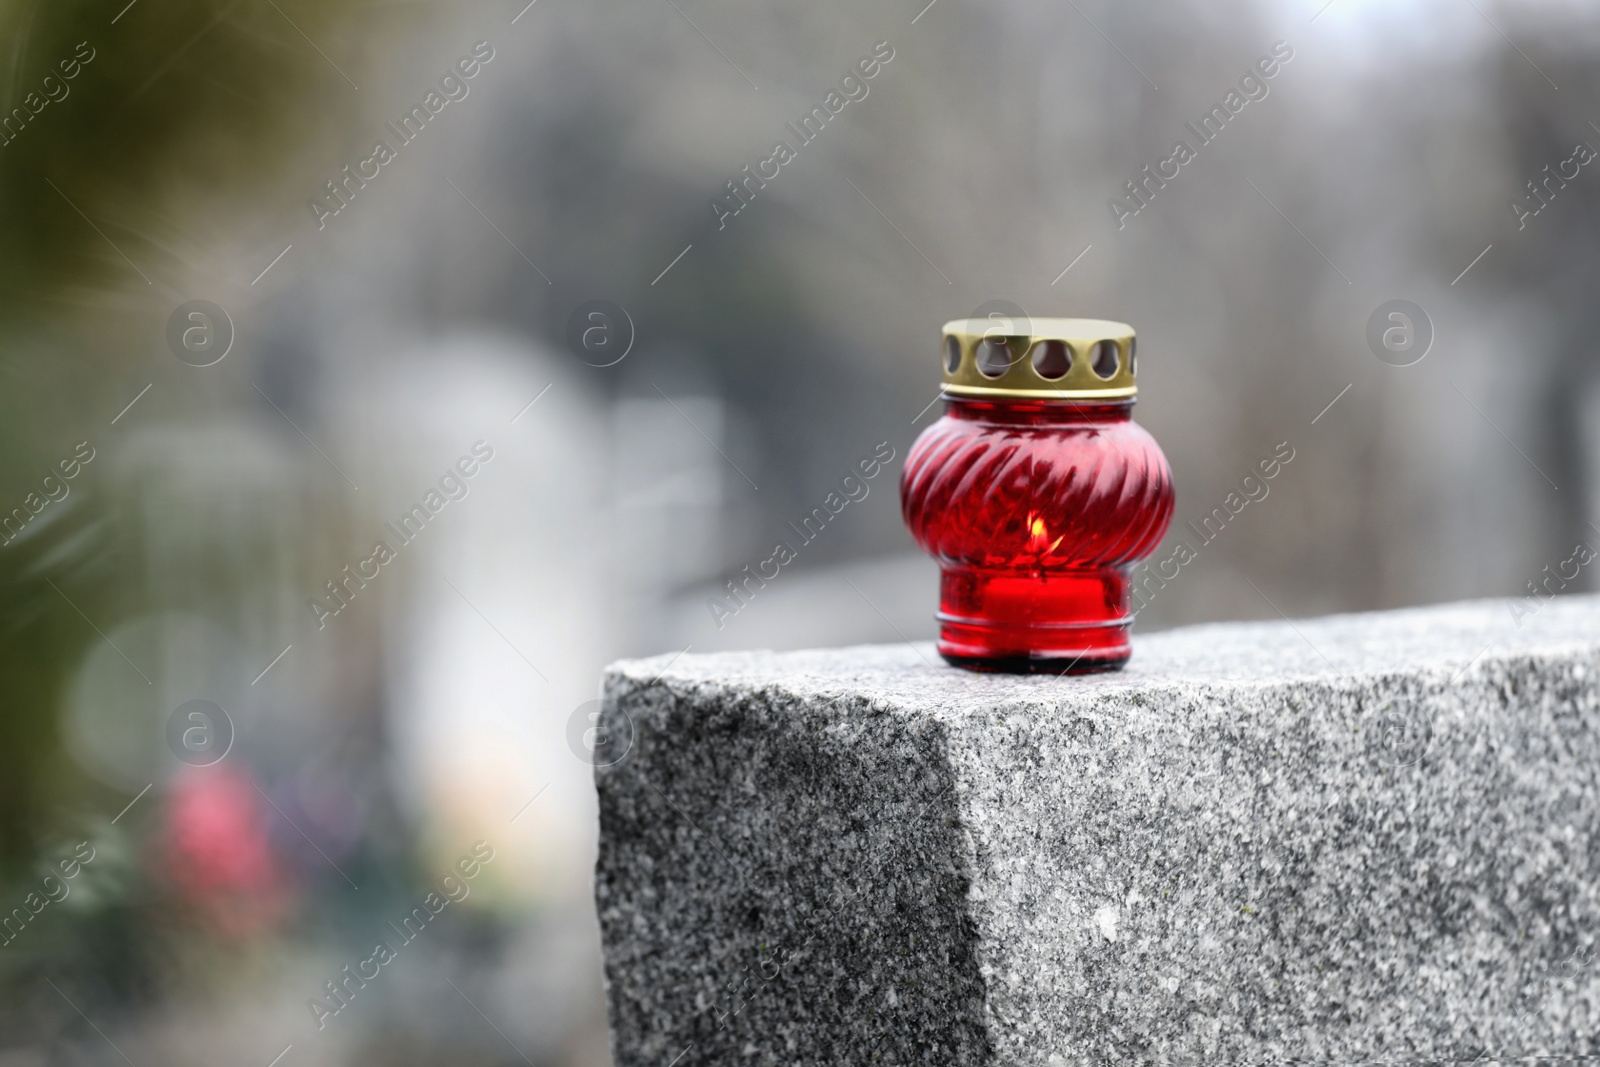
(217, 856)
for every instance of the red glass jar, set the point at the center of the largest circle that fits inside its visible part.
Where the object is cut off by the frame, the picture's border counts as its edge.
(1037, 492)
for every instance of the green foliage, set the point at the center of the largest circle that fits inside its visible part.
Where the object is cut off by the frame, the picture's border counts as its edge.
(182, 100)
(152, 116)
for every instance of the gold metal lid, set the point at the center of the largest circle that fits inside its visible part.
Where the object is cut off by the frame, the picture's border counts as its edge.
(1055, 359)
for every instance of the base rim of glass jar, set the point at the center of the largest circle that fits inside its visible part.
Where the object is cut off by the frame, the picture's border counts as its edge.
(1123, 622)
(1100, 662)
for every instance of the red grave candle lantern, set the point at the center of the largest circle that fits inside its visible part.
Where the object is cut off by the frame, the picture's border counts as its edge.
(1036, 492)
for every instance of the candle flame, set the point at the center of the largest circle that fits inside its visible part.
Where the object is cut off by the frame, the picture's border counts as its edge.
(1038, 536)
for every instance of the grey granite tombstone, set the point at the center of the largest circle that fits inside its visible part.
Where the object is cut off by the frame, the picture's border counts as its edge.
(1366, 838)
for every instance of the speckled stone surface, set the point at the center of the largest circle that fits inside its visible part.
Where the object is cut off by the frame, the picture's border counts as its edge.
(1357, 839)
